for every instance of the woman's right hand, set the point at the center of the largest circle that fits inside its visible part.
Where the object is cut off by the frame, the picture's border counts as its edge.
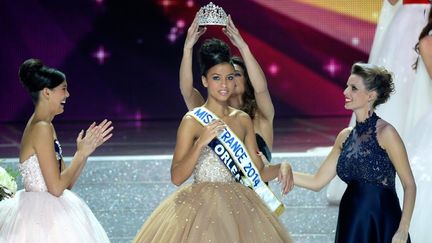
(94, 136)
(211, 131)
(194, 33)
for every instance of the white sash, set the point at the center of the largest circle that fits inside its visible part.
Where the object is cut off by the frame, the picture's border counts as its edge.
(230, 149)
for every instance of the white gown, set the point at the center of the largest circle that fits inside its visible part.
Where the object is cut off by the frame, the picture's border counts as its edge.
(398, 56)
(34, 215)
(419, 148)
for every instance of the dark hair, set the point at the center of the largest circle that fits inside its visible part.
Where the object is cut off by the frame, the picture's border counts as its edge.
(35, 76)
(424, 33)
(249, 103)
(375, 78)
(212, 52)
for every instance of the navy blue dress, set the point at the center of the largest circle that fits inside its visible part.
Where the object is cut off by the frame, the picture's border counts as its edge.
(369, 210)
(262, 146)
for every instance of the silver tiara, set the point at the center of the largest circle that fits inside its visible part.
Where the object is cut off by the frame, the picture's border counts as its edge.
(211, 14)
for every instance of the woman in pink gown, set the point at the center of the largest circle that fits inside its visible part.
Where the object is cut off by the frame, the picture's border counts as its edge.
(46, 210)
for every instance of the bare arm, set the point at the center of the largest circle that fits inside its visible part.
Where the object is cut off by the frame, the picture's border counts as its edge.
(191, 96)
(425, 47)
(188, 149)
(392, 143)
(268, 171)
(327, 170)
(56, 182)
(256, 74)
(105, 130)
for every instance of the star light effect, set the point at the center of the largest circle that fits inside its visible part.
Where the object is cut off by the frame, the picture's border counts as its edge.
(273, 69)
(355, 41)
(190, 3)
(332, 67)
(101, 55)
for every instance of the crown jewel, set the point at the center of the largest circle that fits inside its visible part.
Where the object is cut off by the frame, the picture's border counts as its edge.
(211, 14)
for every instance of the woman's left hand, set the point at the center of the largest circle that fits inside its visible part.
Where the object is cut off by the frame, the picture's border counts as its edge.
(401, 236)
(286, 178)
(233, 34)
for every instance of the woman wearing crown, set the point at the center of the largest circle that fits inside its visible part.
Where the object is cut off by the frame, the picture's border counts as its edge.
(251, 94)
(216, 207)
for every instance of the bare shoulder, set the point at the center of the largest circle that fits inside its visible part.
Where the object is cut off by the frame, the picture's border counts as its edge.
(385, 129)
(342, 136)
(42, 129)
(240, 114)
(425, 44)
(189, 125)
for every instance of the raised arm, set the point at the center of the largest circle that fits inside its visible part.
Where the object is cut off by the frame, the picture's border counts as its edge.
(390, 140)
(327, 170)
(191, 96)
(105, 129)
(255, 73)
(191, 139)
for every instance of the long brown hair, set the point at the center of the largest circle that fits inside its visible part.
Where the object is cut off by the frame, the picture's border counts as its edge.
(249, 103)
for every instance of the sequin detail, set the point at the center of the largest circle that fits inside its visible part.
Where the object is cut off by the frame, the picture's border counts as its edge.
(32, 175)
(363, 159)
(210, 168)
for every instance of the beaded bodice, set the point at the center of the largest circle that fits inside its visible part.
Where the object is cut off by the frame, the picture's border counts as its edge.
(210, 168)
(31, 173)
(363, 159)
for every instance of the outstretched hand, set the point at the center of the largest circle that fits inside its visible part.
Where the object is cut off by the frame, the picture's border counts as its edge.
(233, 34)
(93, 137)
(285, 177)
(194, 33)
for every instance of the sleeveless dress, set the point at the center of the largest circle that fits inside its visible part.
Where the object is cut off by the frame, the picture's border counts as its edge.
(34, 215)
(214, 208)
(369, 210)
(262, 146)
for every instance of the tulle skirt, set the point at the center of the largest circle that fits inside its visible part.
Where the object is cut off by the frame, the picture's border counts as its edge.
(419, 147)
(40, 217)
(212, 212)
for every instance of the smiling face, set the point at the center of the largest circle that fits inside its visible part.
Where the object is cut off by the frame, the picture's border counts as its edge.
(58, 96)
(219, 81)
(356, 94)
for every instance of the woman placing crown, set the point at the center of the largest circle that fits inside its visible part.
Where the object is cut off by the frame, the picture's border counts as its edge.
(251, 94)
(216, 207)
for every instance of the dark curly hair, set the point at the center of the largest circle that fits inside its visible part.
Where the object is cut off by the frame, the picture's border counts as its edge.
(35, 76)
(375, 78)
(212, 52)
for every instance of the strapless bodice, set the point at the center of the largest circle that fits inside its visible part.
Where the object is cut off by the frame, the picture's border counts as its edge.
(32, 177)
(210, 168)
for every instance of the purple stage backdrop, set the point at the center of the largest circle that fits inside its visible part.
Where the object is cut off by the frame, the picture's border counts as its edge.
(122, 58)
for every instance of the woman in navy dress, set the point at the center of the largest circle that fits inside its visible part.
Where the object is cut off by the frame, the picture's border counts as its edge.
(367, 157)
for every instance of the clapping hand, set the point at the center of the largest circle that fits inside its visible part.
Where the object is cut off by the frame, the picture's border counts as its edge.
(93, 137)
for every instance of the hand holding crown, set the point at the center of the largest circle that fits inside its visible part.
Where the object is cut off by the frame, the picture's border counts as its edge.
(233, 34)
(194, 33)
